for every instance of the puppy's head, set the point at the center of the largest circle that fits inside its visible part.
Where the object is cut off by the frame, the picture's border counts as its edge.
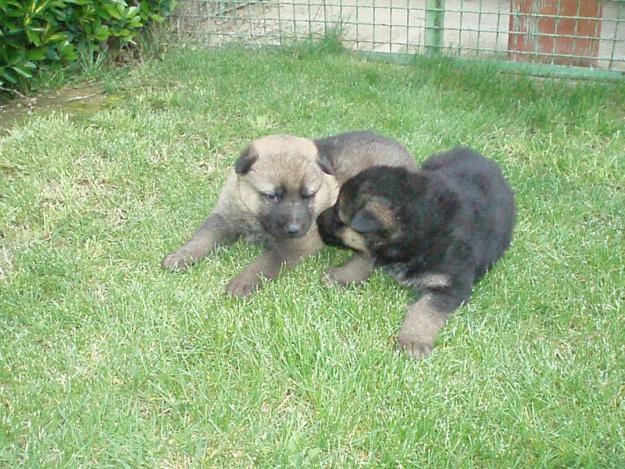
(284, 183)
(365, 216)
(386, 213)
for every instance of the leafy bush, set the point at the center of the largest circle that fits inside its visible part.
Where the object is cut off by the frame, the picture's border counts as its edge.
(38, 33)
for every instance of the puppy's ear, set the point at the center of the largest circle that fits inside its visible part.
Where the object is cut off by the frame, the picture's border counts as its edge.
(365, 222)
(325, 165)
(244, 163)
(376, 215)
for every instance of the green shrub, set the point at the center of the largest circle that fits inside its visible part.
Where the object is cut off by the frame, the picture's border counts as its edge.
(35, 34)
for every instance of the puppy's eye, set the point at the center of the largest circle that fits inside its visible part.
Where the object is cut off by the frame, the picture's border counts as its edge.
(271, 196)
(308, 195)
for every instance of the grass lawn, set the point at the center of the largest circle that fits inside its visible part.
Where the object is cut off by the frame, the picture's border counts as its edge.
(108, 360)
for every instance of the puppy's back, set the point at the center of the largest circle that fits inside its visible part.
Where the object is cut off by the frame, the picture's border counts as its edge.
(489, 212)
(352, 152)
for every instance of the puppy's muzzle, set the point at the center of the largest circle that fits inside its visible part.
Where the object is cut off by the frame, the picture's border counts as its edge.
(293, 229)
(288, 230)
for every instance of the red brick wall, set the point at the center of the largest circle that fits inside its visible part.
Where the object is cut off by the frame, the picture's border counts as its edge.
(527, 44)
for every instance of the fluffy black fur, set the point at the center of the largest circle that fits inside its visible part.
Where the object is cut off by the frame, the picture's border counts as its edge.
(455, 216)
(438, 229)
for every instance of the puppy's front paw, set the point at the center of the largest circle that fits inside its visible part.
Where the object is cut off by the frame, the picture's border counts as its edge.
(242, 286)
(177, 261)
(338, 277)
(415, 345)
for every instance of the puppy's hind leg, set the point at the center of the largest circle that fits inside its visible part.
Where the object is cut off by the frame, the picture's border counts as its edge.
(356, 270)
(213, 232)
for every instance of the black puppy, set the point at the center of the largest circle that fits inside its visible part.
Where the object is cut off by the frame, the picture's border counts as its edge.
(437, 230)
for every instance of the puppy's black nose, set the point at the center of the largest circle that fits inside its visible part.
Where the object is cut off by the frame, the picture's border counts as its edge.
(293, 229)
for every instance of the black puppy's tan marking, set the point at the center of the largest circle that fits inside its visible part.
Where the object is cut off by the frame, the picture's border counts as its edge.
(437, 230)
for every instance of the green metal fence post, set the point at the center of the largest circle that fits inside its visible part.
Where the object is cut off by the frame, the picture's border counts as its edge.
(434, 26)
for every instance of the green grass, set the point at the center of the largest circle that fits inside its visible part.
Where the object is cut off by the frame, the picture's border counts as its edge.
(107, 360)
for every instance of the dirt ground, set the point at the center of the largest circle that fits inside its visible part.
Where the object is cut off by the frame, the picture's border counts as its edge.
(84, 99)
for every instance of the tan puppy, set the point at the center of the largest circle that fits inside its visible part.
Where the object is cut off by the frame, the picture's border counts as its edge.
(279, 186)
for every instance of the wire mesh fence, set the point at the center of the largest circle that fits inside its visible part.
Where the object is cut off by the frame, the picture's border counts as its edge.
(573, 33)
